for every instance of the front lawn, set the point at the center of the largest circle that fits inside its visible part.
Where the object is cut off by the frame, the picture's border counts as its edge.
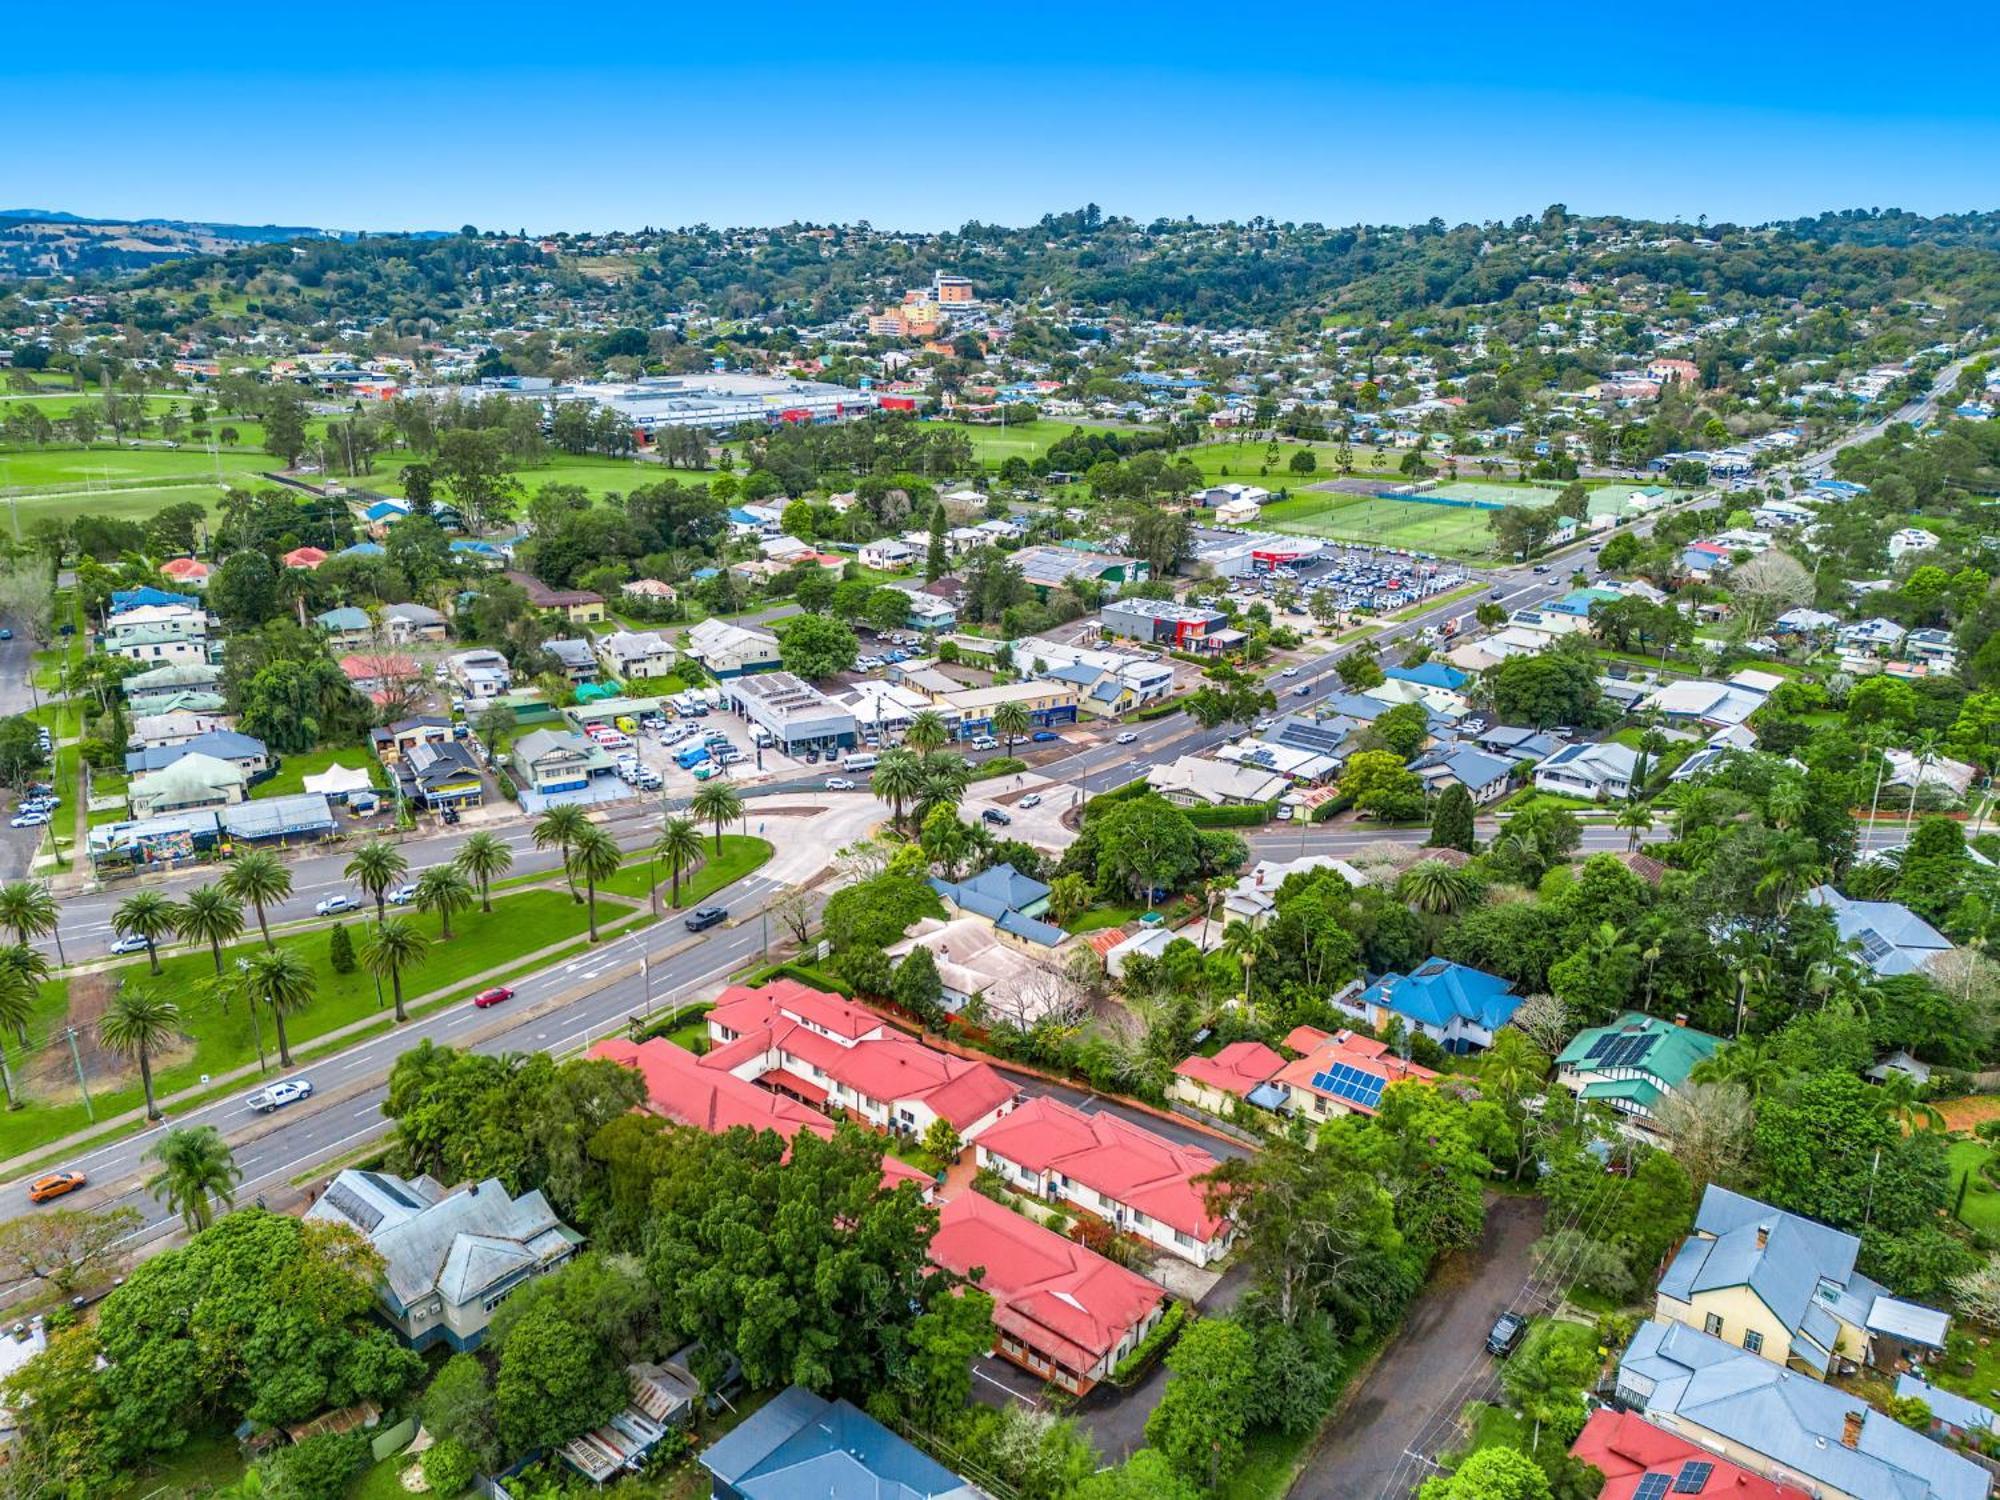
(1979, 1210)
(1100, 917)
(290, 778)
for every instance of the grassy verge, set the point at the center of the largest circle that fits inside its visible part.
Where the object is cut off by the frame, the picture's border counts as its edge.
(740, 855)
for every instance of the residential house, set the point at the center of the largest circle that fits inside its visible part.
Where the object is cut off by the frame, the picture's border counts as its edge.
(191, 782)
(304, 559)
(728, 650)
(177, 727)
(574, 659)
(930, 611)
(1457, 1007)
(480, 673)
(1254, 897)
(554, 760)
(650, 591)
(1430, 674)
(158, 633)
(636, 653)
(481, 554)
(347, 628)
(887, 554)
(1877, 635)
(1234, 1074)
(995, 892)
(1600, 772)
(185, 572)
(441, 775)
(1339, 1073)
(1782, 1425)
(799, 1446)
(393, 741)
(1633, 1064)
(384, 676)
(144, 691)
(1909, 539)
(1516, 743)
(1634, 1455)
(245, 751)
(1785, 1289)
(1936, 779)
(124, 601)
(1060, 1311)
(578, 606)
(1952, 1415)
(1483, 776)
(1196, 781)
(449, 1258)
(405, 623)
(1010, 962)
(1719, 705)
(26, 1340)
(1891, 938)
(1138, 1182)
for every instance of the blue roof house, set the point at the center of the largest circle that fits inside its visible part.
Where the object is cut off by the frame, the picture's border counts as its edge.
(146, 596)
(1458, 1008)
(1012, 902)
(799, 1446)
(1430, 674)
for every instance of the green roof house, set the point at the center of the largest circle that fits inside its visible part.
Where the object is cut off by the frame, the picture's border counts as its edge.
(1633, 1064)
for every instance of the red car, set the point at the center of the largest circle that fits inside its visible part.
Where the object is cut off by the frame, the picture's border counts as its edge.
(493, 996)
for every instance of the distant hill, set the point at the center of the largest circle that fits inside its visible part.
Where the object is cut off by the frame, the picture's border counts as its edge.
(52, 242)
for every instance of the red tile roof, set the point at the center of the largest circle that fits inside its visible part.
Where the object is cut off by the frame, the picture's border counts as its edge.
(1112, 1157)
(817, 1008)
(1305, 1038)
(182, 568)
(1364, 1054)
(1627, 1448)
(1051, 1294)
(303, 557)
(1236, 1069)
(391, 666)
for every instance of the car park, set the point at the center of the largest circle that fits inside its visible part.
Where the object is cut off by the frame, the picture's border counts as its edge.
(334, 904)
(54, 1185)
(278, 1095)
(494, 996)
(706, 917)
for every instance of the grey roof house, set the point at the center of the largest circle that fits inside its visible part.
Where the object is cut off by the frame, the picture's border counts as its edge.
(1594, 771)
(1892, 938)
(451, 1257)
(799, 1446)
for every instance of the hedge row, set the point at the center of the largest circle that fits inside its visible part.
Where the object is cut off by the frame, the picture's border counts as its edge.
(1253, 815)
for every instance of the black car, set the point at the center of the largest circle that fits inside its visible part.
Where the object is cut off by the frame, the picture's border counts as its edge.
(1507, 1334)
(706, 917)
(996, 817)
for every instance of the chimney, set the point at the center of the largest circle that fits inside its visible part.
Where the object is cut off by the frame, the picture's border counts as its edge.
(1763, 1236)
(1680, 1018)
(1850, 1430)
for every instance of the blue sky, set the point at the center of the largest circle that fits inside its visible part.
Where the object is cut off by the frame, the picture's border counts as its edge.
(429, 114)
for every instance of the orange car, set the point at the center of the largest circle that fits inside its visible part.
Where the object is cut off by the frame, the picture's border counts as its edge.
(55, 1185)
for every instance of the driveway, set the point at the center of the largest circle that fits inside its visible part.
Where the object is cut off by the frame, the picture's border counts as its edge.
(1425, 1368)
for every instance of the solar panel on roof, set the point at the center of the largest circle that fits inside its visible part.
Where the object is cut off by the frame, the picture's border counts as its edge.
(1652, 1487)
(1602, 1045)
(1641, 1045)
(1694, 1474)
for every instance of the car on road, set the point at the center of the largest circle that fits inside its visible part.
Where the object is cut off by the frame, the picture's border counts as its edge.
(29, 820)
(333, 904)
(1303, 690)
(1496, 593)
(494, 996)
(278, 1095)
(1128, 738)
(54, 1185)
(131, 942)
(986, 742)
(1043, 736)
(706, 917)
(1033, 799)
(403, 895)
(1507, 1334)
(996, 817)
(6, 635)
(1289, 672)
(1541, 567)
(839, 784)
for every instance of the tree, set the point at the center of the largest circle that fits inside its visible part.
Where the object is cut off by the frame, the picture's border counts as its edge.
(28, 910)
(558, 828)
(389, 950)
(1496, 1473)
(717, 803)
(1359, 670)
(1452, 820)
(679, 846)
(596, 858)
(443, 889)
(1069, 898)
(148, 915)
(340, 950)
(260, 880)
(210, 915)
(284, 415)
(817, 646)
(876, 912)
(1147, 845)
(1377, 782)
(886, 609)
(1820, 1149)
(375, 867)
(1012, 722)
(917, 987)
(64, 1246)
(317, 1468)
(1709, 1126)
(244, 590)
(195, 1167)
(448, 1467)
(953, 1331)
(936, 561)
(1146, 1475)
(484, 858)
(899, 777)
(137, 1025)
(282, 980)
(927, 732)
(61, 1446)
(1768, 585)
(564, 1342)
(1204, 1413)
(458, 1409)
(1552, 687)
(20, 997)
(1547, 1376)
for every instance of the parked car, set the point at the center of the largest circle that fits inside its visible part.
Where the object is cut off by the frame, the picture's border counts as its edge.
(839, 784)
(1289, 672)
(403, 895)
(1507, 1334)
(1033, 799)
(996, 817)
(278, 1095)
(706, 917)
(29, 820)
(1128, 738)
(333, 904)
(1043, 736)
(494, 996)
(986, 742)
(54, 1185)
(130, 942)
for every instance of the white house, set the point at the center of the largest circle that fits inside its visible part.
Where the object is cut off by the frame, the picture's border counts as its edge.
(1594, 771)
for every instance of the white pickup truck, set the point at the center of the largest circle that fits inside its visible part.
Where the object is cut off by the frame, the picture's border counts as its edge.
(278, 1095)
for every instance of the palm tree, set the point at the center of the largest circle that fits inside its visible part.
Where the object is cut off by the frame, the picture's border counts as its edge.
(1785, 802)
(597, 858)
(927, 731)
(28, 911)
(557, 829)
(1901, 1098)
(1790, 868)
(390, 949)
(1929, 742)
(282, 980)
(149, 915)
(483, 858)
(900, 778)
(717, 803)
(137, 1024)
(1245, 944)
(260, 880)
(375, 867)
(444, 890)
(1436, 889)
(1748, 1063)
(17, 1007)
(679, 844)
(195, 1167)
(1011, 721)
(944, 780)
(1635, 818)
(209, 916)
(1069, 897)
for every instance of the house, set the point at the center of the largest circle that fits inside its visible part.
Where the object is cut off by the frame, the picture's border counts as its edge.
(1339, 1073)
(1009, 962)
(480, 673)
(25, 1341)
(1431, 674)
(636, 653)
(578, 606)
(1892, 939)
(1254, 897)
(1219, 495)
(1631, 1453)
(1061, 1311)
(1138, 1182)
(1952, 1415)
(1947, 780)
(441, 775)
(303, 559)
(1633, 1064)
(1784, 1288)
(124, 601)
(799, 1446)
(165, 730)
(481, 554)
(994, 892)
(1483, 776)
(382, 675)
(887, 554)
(554, 760)
(930, 611)
(192, 781)
(1784, 1426)
(650, 590)
(145, 691)
(1458, 1008)
(393, 741)
(1877, 635)
(449, 1258)
(1196, 781)
(347, 628)
(1516, 743)
(246, 752)
(1719, 705)
(574, 659)
(1599, 772)
(833, 1055)
(728, 650)
(1217, 1083)
(663, 1400)
(1909, 539)
(405, 623)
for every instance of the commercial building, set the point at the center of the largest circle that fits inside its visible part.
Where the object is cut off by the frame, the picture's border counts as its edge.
(718, 402)
(1046, 568)
(1161, 622)
(797, 715)
(1048, 703)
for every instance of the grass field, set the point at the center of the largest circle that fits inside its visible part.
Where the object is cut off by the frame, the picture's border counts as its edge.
(1981, 1209)
(600, 476)
(740, 855)
(1411, 525)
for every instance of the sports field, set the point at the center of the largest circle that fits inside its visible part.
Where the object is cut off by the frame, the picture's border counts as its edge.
(1495, 494)
(1450, 530)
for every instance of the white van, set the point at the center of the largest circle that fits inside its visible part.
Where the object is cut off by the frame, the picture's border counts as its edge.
(861, 762)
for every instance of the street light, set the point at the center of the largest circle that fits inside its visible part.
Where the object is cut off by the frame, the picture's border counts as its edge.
(256, 1026)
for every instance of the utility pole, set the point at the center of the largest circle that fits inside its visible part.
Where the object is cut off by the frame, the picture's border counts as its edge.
(89, 1110)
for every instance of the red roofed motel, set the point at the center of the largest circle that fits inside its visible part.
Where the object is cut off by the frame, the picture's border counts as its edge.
(1340, 1073)
(1133, 1179)
(1059, 1309)
(680, 1089)
(1215, 1083)
(1628, 1450)
(825, 1052)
